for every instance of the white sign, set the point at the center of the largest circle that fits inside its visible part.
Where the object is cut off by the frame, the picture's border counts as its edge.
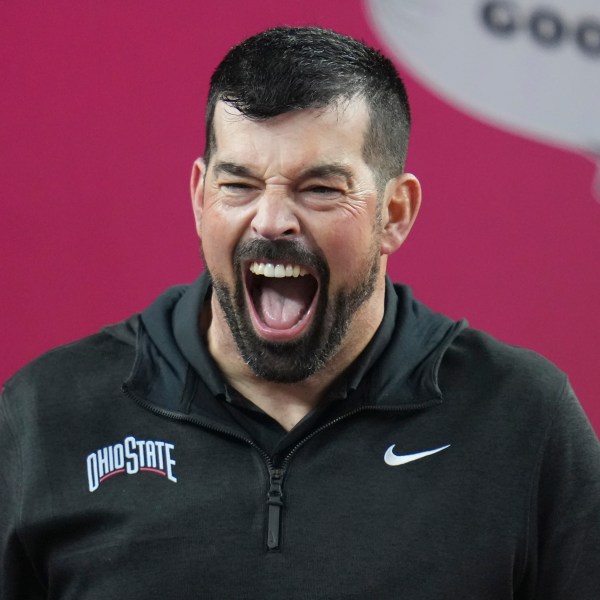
(531, 67)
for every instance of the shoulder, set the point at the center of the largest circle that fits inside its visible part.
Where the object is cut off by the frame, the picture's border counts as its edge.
(519, 399)
(477, 357)
(511, 388)
(86, 363)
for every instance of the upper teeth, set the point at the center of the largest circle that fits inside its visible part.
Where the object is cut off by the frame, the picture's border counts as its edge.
(278, 270)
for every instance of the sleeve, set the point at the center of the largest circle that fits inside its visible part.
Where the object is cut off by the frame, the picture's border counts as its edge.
(564, 543)
(17, 576)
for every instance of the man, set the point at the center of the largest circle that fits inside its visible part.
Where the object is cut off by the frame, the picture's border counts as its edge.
(292, 424)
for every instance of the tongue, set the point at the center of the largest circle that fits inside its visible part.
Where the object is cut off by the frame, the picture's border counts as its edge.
(283, 302)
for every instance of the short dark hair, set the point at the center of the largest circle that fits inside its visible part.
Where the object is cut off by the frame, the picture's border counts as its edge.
(291, 68)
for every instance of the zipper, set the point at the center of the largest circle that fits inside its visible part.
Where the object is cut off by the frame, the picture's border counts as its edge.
(275, 503)
(275, 494)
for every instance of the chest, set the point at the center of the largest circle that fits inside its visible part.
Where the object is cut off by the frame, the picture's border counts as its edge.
(161, 505)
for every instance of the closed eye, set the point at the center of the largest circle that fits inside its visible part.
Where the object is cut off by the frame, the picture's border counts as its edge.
(323, 190)
(237, 192)
(322, 197)
(237, 189)
(236, 186)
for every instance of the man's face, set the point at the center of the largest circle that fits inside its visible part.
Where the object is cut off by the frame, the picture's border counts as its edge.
(290, 222)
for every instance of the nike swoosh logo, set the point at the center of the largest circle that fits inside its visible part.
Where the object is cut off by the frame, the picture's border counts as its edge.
(394, 459)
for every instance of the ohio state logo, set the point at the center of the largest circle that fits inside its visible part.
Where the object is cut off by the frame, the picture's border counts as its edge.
(130, 456)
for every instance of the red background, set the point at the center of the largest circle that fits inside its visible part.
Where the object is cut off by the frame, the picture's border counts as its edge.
(102, 109)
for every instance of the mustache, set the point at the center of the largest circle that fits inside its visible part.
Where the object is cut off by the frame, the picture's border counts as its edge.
(288, 251)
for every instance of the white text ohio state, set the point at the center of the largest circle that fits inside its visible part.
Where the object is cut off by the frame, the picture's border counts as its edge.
(131, 456)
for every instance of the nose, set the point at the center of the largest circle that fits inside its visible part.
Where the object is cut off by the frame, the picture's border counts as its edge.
(275, 216)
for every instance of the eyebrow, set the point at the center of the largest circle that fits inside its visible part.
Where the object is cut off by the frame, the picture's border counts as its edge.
(230, 168)
(329, 170)
(318, 171)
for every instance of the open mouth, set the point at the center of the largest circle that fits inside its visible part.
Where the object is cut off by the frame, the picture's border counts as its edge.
(281, 298)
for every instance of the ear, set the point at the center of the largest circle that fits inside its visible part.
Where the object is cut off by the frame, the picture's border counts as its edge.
(401, 202)
(197, 191)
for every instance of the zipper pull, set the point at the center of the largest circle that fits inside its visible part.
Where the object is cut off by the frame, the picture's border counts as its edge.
(275, 504)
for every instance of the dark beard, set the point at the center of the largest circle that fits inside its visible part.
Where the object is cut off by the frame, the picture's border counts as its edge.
(293, 361)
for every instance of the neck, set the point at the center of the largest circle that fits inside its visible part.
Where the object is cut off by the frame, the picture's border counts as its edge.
(289, 403)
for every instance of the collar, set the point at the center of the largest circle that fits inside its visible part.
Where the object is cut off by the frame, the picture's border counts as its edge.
(172, 361)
